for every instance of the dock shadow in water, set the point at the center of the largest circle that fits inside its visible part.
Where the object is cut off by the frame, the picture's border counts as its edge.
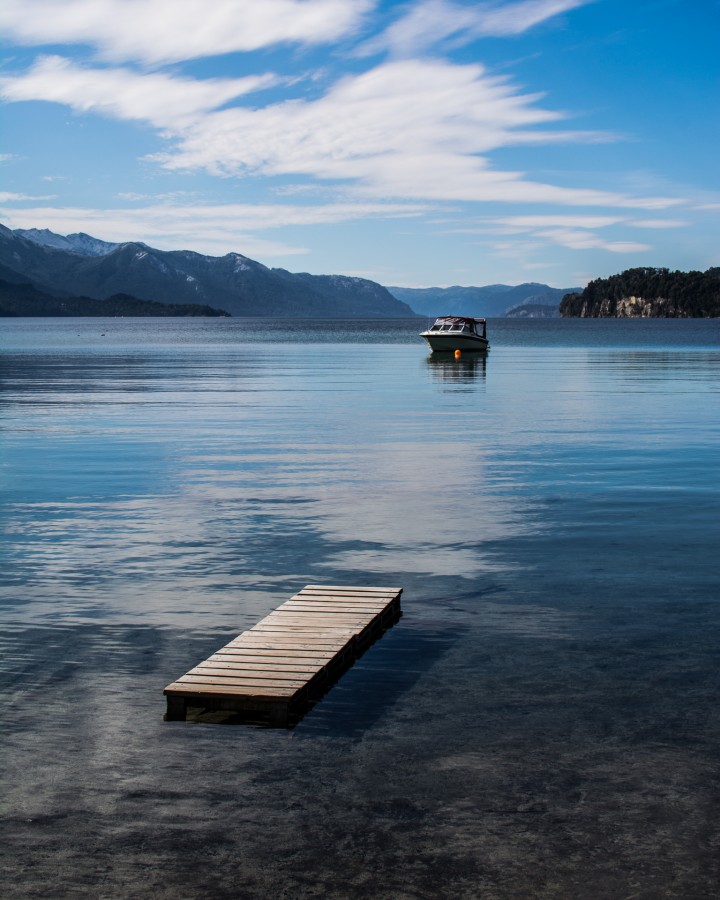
(378, 680)
(283, 714)
(358, 694)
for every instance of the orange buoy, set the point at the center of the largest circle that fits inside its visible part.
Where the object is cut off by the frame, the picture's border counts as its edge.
(457, 354)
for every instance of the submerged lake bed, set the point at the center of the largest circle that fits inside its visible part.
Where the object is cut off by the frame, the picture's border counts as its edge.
(541, 722)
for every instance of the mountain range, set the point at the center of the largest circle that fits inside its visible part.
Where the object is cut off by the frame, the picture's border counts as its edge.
(529, 299)
(78, 267)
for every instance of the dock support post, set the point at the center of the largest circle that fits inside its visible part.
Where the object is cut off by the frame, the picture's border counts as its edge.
(176, 709)
(278, 715)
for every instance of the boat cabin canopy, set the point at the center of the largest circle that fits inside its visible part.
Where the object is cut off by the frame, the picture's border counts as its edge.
(459, 324)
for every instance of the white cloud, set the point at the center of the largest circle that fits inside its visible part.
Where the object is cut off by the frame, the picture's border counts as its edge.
(586, 240)
(406, 129)
(409, 129)
(530, 223)
(211, 228)
(431, 22)
(169, 197)
(160, 31)
(658, 223)
(164, 100)
(575, 232)
(399, 110)
(9, 197)
(522, 224)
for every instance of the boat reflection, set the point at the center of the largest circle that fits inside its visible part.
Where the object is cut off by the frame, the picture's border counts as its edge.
(468, 369)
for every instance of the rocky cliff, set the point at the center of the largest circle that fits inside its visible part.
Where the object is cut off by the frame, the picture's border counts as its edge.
(648, 293)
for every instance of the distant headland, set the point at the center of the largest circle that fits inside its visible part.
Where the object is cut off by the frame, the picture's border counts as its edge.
(649, 294)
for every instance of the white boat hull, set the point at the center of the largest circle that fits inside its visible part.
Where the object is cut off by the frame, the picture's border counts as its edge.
(447, 342)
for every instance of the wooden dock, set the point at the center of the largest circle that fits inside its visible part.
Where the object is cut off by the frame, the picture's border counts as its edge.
(275, 671)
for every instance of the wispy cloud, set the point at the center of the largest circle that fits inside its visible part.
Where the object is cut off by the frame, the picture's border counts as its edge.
(432, 22)
(167, 197)
(582, 239)
(394, 110)
(406, 129)
(531, 223)
(161, 31)
(167, 101)
(9, 197)
(411, 129)
(658, 223)
(534, 223)
(406, 134)
(574, 232)
(210, 228)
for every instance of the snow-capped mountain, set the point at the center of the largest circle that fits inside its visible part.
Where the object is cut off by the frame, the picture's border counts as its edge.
(81, 243)
(232, 282)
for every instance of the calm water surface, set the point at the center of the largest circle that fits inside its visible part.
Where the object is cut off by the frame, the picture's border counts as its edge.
(541, 722)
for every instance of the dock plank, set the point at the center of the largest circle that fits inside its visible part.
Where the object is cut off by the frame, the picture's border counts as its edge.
(273, 668)
(233, 668)
(347, 591)
(306, 662)
(273, 656)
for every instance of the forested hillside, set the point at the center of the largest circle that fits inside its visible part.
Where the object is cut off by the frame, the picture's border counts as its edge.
(23, 299)
(79, 265)
(648, 293)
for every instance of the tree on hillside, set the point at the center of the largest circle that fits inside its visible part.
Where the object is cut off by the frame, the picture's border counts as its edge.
(659, 292)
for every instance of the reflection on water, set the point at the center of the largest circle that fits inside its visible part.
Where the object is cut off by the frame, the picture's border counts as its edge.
(551, 511)
(691, 368)
(469, 369)
(198, 481)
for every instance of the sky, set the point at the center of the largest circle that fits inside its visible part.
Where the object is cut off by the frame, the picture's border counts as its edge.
(420, 143)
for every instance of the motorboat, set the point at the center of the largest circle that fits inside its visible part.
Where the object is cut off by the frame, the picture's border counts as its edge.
(450, 333)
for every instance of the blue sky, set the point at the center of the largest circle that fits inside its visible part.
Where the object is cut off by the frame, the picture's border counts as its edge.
(430, 142)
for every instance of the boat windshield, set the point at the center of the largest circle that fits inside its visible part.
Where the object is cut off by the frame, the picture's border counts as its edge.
(454, 326)
(473, 331)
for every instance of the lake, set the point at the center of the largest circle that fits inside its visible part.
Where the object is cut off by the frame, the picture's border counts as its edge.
(541, 722)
